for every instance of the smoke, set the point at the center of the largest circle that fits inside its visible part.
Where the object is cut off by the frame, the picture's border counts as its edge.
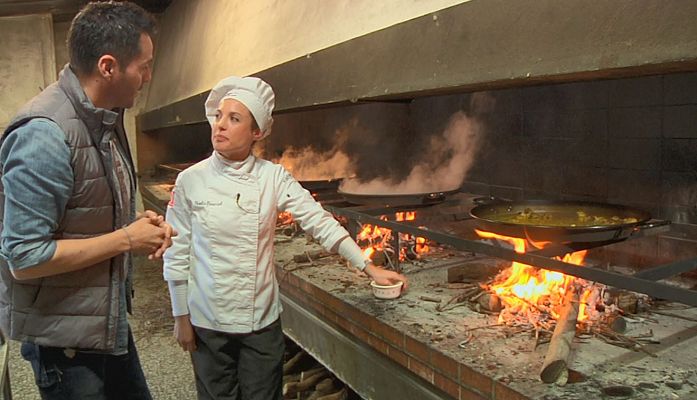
(307, 164)
(428, 145)
(446, 159)
(311, 163)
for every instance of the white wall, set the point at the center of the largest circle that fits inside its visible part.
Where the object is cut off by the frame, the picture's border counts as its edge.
(27, 63)
(203, 41)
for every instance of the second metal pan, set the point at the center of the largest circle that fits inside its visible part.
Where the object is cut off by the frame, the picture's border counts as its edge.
(618, 221)
(397, 200)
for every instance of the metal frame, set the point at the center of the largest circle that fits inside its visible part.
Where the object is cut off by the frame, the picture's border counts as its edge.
(642, 282)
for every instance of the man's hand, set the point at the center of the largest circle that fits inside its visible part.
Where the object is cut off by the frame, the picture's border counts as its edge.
(184, 333)
(159, 221)
(144, 237)
(385, 277)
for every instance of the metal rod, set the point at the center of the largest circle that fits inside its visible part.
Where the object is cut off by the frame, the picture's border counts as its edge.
(667, 270)
(566, 248)
(590, 273)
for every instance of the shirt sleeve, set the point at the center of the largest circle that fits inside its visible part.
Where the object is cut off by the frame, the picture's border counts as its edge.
(313, 219)
(177, 257)
(37, 179)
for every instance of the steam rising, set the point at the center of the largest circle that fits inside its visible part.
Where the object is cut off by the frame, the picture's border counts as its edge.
(309, 164)
(426, 146)
(448, 157)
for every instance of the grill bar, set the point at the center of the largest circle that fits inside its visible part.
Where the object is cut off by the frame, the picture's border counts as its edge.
(591, 273)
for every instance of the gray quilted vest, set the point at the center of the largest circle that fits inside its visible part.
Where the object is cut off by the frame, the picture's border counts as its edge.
(78, 309)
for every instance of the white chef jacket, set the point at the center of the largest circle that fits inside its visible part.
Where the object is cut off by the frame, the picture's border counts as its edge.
(226, 220)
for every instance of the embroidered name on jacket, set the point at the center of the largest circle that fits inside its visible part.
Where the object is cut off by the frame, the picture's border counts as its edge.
(208, 203)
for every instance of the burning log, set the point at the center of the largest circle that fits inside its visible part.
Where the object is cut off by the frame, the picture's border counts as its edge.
(555, 368)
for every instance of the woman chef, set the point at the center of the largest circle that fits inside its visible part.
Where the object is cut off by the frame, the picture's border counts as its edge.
(224, 292)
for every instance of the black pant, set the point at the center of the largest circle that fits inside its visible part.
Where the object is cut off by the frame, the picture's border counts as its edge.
(239, 366)
(87, 375)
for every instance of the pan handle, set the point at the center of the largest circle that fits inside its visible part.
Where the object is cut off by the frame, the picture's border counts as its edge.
(431, 197)
(652, 224)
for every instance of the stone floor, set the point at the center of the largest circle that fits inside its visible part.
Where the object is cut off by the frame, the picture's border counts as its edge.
(167, 368)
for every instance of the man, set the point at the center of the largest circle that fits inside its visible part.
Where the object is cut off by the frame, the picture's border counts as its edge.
(68, 213)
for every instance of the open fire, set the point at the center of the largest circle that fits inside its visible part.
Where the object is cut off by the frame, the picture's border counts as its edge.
(377, 243)
(525, 290)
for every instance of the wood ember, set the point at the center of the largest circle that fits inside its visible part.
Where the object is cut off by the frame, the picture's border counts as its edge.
(555, 367)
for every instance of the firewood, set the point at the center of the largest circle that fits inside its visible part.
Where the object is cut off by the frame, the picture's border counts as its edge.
(555, 368)
(310, 372)
(291, 364)
(292, 388)
(291, 378)
(340, 395)
(429, 298)
(473, 272)
(310, 256)
(326, 386)
(627, 302)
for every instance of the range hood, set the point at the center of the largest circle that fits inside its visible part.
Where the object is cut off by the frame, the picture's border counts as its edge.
(479, 45)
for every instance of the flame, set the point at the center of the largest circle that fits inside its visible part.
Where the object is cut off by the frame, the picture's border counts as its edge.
(378, 239)
(405, 216)
(284, 218)
(524, 286)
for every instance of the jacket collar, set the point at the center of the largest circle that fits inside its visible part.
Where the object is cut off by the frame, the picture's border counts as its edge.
(235, 168)
(92, 116)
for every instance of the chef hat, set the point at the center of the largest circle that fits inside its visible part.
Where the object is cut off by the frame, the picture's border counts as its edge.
(254, 93)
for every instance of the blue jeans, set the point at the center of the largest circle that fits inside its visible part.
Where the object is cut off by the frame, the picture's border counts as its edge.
(87, 375)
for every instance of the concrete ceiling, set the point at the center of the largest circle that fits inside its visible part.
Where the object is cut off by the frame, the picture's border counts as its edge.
(64, 10)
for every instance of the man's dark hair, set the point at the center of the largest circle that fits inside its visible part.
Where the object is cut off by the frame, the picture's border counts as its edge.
(110, 27)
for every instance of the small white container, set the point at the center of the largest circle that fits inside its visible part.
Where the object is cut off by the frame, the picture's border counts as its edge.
(387, 291)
